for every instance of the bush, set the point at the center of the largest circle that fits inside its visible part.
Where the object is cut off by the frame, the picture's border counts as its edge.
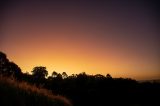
(14, 93)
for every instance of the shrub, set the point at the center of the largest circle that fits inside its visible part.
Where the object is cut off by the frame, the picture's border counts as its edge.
(14, 93)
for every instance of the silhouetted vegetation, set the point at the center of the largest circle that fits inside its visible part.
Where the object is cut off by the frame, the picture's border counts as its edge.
(13, 93)
(87, 90)
(8, 68)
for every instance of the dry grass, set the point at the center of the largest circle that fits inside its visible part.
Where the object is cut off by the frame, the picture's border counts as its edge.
(32, 90)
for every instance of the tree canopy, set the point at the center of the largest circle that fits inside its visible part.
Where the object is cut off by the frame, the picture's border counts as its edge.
(8, 68)
(39, 72)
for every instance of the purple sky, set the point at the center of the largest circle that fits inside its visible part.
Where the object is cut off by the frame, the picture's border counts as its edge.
(108, 32)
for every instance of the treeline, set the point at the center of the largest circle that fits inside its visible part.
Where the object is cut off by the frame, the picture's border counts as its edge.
(83, 89)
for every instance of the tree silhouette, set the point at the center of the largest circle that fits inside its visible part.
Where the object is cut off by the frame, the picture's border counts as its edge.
(99, 76)
(39, 72)
(13, 69)
(3, 63)
(59, 76)
(84, 89)
(108, 76)
(64, 75)
(54, 74)
(3, 56)
(8, 68)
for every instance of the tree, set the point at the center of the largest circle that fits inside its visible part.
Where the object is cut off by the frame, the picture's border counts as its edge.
(39, 72)
(82, 78)
(108, 76)
(64, 75)
(3, 63)
(59, 76)
(8, 68)
(99, 76)
(54, 74)
(3, 57)
(13, 69)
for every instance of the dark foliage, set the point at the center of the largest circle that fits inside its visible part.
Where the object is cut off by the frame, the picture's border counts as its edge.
(13, 93)
(39, 73)
(8, 68)
(91, 90)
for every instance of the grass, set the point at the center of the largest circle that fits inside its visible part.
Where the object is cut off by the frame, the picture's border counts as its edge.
(13, 93)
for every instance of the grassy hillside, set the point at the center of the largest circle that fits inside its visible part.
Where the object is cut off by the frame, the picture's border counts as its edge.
(13, 93)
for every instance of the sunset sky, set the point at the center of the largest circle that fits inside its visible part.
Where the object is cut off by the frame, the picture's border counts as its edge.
(119, 37)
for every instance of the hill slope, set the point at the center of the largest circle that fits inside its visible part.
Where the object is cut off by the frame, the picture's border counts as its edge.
(13, 93)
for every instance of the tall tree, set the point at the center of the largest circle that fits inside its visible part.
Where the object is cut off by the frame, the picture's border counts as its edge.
(8, 68)
(3, 62)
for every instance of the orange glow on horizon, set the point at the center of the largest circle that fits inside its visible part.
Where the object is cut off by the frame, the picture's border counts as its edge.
(82, 37)
(76, 63)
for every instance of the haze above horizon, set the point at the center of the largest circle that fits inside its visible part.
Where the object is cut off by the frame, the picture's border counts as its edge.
(99, 37)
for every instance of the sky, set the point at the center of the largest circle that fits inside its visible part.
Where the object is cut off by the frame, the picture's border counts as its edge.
(119, 37)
